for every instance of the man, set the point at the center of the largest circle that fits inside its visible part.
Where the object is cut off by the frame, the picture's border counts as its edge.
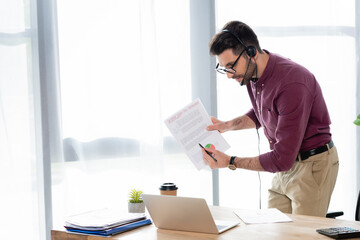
(288, 103)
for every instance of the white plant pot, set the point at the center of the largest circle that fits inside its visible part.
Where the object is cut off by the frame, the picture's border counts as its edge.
(136, 207)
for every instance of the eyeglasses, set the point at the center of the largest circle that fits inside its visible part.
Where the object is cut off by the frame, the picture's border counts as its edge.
(224, 70)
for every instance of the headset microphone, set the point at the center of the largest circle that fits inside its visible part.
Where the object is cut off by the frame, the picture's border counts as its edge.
(247, 68)
(253, 79)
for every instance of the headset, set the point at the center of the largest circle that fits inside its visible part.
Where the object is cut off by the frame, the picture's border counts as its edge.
(250, 50)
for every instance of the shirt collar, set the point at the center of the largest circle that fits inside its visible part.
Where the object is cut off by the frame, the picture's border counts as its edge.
(268, 69)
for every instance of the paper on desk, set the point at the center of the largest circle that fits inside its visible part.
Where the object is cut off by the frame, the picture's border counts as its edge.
(188, 127)
(102, 219)
(271, 215)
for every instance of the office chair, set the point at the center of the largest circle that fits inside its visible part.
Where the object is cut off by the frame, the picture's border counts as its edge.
(340, 213)
(334, 214)
(357, 211)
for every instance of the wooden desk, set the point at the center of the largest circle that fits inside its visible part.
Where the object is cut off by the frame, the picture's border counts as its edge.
(302, 227)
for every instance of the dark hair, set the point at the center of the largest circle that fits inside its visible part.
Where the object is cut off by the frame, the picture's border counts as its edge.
(225, 40)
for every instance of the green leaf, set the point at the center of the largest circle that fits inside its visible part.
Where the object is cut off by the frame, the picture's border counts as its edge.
(357, 122)
(135, 196)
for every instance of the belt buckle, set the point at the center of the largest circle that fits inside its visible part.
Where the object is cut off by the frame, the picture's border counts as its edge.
(305, 155)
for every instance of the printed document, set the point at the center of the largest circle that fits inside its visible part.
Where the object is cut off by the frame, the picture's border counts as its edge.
(270, 215)
(188, 127)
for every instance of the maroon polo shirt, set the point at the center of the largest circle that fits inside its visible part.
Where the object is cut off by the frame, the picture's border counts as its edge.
(289, 105)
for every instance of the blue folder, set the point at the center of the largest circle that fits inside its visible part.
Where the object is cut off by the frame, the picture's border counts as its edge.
(112, 231)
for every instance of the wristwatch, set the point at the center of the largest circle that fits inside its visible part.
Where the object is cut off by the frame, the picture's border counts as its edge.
(231, 163)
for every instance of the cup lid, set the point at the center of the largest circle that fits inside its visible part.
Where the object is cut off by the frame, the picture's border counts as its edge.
(168, 187)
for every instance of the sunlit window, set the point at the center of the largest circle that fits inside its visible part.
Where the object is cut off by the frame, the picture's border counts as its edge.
(323, 42)
(123, 71)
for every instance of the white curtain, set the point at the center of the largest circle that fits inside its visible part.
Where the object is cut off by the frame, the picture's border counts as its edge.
(20, 174)
(124, 68)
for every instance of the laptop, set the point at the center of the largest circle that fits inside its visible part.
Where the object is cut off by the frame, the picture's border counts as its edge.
(184, 214)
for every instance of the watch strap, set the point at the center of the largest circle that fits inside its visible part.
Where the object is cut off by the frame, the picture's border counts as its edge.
(232, 159)
(231, 163)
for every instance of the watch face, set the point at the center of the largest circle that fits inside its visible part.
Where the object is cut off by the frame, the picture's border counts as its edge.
(232, 167)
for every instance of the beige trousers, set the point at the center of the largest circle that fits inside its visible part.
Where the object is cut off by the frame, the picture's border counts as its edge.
(307, 187)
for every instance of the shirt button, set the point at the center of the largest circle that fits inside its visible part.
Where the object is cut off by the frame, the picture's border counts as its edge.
(258, 93)
(262, 85)
(270, 141)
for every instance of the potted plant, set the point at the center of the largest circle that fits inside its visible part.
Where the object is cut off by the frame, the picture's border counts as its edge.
(136, 204)
(357, 120)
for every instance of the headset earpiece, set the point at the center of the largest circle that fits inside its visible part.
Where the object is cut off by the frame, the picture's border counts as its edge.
(251, 51)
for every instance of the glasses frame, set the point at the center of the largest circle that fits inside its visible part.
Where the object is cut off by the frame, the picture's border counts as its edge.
(231, 69)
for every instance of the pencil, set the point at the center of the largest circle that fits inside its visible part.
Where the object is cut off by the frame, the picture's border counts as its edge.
(207, 152)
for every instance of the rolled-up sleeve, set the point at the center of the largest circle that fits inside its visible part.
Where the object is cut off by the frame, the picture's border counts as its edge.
(252, 116)
(294, 104)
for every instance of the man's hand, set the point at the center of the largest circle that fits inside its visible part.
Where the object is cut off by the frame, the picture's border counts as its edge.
(222, 159)
(243, 122)
(218, 125)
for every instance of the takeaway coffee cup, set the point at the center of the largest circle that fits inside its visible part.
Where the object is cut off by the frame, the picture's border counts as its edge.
(168, 189)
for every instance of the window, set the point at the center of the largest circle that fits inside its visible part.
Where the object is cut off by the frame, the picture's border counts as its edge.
(123, 70)
(323, 42)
